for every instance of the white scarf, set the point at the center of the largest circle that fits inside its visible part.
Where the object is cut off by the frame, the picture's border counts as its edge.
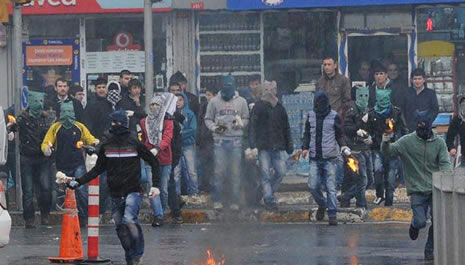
(154, 122)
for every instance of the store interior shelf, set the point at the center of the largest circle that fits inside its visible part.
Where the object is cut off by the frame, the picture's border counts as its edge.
(230, 53)
(230, 32)
(233, 73)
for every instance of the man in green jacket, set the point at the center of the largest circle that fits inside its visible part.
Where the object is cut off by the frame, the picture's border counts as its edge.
(421, 153)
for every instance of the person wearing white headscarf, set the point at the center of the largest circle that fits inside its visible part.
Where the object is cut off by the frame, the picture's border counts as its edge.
(157, 133)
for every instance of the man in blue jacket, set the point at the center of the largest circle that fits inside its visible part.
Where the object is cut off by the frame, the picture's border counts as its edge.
(188, 146)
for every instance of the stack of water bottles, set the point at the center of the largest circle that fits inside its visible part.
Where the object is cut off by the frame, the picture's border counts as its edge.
(297, 107)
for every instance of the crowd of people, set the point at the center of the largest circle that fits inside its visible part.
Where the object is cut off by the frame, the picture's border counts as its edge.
(233, 143)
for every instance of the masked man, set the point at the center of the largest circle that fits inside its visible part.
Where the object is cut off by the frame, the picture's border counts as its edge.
(422, 153)
(62, 138)
(227, 116)
(35, 167)
(385, 118)
(322, 139)
(120, 156)
(359, 140)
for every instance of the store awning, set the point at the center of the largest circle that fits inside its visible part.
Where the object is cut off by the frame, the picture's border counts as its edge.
(62, 7)
(276, 4)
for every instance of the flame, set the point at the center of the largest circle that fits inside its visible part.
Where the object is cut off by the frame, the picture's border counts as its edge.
(79, 144)
(352, 163)
(11, 119)
(211, 260)
(390, 124)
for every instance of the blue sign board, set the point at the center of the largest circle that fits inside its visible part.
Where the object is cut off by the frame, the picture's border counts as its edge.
(24, 96)
(275, 4)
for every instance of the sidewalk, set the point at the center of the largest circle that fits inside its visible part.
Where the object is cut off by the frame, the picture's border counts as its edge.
(294, 206)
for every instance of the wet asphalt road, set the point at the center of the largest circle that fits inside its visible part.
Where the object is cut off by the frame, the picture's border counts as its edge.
(266, 244)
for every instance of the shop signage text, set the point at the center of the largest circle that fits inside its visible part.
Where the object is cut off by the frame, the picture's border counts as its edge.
(198, 5)
(53, 2)
(49, 55)
(46, 7)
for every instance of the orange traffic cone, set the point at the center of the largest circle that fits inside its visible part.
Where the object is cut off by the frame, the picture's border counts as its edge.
(70, 243)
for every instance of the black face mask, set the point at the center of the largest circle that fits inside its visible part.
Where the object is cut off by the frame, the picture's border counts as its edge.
(425, 132)
(118, 130)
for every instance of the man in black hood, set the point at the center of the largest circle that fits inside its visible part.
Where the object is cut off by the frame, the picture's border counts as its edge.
(322, 138)
(120, 156)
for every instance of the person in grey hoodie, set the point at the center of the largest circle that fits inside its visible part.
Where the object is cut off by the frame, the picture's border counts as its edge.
(227, 116)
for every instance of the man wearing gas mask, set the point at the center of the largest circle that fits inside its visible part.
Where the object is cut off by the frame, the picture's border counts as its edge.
(421, 153)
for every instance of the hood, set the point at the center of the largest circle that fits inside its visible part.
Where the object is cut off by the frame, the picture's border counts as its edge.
(113, 85)
(186, 102)
(321, 103)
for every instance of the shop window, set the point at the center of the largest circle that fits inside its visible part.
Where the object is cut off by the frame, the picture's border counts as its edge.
(294, 45)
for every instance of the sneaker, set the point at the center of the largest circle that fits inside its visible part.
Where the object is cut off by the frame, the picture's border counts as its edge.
(234, 207)
(378, 200)
(217, 205)
(429, 256)
(157, 222)
(44, 220)
(29, 224)
(136, 261)
(332, 220)
(413, 232)
(320, 214)
(178, 220)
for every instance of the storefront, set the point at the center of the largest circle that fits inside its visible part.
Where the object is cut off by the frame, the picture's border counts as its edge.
(441, 52)
(84, 40)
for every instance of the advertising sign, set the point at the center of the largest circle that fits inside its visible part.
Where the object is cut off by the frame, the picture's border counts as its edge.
(273, 4)
(49, 55)
(50, 59)
(45, 7)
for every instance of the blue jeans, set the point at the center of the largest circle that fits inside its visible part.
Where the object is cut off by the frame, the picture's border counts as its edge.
(385, 176)
(228, 156)
(270, 182)
(339, 171)
(104, 194)
(323, 175)
(124, 213)
(358, 188)
(420, 204)
(188, 163)
(156, 203)
(81, 192)
(35, 171)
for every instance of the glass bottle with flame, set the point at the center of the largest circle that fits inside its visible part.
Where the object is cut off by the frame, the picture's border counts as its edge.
(352, 163)
(390, 126)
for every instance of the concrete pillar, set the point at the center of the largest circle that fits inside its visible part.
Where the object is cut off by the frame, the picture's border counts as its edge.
(449, 217)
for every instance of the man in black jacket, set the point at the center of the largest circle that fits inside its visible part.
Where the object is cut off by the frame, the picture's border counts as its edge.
(98, 110)
(62, 96)
(35, 167)
(457, 127)
(270, 138)
(381, 82)
(419, 98)
(120, 156)
(133, 104)
(385, 118)
(359, 141)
